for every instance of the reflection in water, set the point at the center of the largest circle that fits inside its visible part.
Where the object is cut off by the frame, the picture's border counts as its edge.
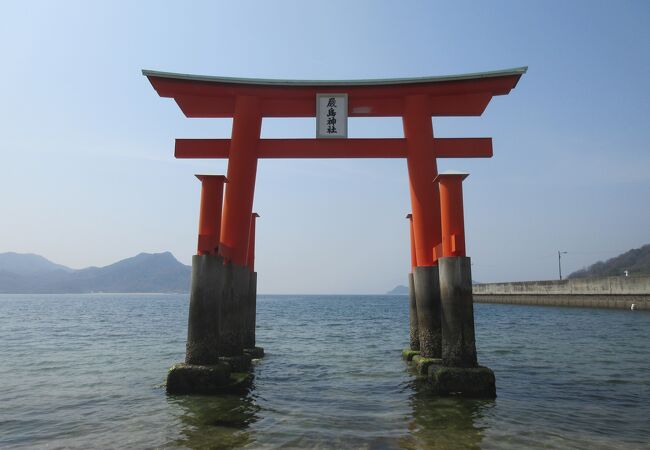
(444, 422)
(218, 422)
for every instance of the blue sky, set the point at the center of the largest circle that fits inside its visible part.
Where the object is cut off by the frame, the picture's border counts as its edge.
(87, 173)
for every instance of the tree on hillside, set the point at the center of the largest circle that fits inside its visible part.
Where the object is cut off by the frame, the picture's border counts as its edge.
(635, 261)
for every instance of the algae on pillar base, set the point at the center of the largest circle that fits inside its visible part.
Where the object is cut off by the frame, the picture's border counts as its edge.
(408, 354)
(422, 364)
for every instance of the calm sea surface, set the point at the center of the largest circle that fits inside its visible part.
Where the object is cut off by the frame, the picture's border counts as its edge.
(86, 371)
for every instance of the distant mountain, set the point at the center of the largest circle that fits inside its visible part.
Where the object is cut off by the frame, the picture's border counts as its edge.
(28, 263)
(146, 272)
(398, 290)
(635, 261)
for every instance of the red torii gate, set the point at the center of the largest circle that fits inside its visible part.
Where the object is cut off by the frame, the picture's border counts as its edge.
(416, 100)
(221, 315)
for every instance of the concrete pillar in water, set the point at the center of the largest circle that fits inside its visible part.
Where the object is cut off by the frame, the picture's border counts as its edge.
(232, 308)
(427, 294)
(205, 293)
(250, 347)
(251, 304)
(249, 312)
(214, 332)
(414, 338)
(457, 320)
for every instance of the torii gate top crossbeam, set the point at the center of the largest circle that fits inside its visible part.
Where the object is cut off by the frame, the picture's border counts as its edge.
(455, 95)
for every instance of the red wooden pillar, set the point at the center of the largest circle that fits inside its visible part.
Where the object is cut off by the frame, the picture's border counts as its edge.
(242, 169)
(421, 162)
(250, 260)
(210, 213)
(451, 204)
(414, 261)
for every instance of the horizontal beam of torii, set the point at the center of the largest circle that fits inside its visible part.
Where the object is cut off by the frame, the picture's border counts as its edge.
(456, 95)
(331, 148)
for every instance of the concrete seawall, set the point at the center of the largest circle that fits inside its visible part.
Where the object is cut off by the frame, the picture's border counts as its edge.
(605, 292)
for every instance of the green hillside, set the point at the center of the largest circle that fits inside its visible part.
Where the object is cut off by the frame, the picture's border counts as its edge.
(635, 261)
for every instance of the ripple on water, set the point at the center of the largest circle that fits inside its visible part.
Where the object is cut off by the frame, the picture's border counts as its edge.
(85, 371)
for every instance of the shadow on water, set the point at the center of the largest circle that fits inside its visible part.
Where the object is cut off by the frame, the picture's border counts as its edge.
(444, 422)
(215, 422)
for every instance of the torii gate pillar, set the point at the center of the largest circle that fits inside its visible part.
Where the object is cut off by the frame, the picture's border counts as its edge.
(222, 301)
(458, 371)
(242, 170)
(425, 203)
(203, 328)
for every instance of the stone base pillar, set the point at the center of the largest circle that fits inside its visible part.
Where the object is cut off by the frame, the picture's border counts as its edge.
(457, 318)
(459, 373)
(208, 276)
(250, 321)
(469, 382)
(215, 359)
(414, 338)
(427, 296)
(218, 295)
(221, 378)
(232, 310)
(249, 312)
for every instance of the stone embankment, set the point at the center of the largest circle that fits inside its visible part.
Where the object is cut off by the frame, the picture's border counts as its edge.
(606, 292)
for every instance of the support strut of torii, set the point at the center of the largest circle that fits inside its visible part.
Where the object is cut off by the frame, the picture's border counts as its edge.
(415, 100)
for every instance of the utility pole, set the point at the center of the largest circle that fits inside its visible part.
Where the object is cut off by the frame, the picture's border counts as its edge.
(559, 262)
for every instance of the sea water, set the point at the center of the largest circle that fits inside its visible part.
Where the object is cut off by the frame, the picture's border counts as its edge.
(87, 371)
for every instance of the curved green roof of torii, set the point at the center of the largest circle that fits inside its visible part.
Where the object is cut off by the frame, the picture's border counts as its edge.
(369, 82)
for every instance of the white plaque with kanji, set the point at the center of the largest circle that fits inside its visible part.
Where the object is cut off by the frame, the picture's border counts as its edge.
(331, 115)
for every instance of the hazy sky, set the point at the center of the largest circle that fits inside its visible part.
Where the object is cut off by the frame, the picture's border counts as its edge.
(87, 174)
